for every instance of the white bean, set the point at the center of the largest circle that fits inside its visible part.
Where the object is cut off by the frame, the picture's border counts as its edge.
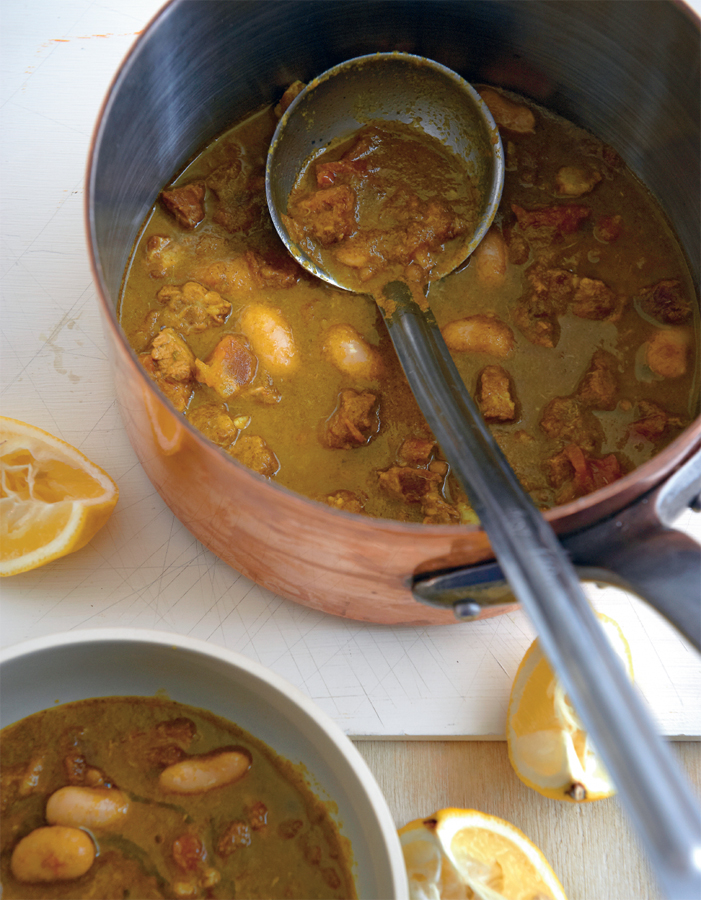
(271, 338)
(86, 807)
(479, 334)
(350, 353)
(52, 853)
(490, 258)
(203, 773)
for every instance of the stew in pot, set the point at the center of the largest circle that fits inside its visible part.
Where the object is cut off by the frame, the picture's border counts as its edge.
(574, 324)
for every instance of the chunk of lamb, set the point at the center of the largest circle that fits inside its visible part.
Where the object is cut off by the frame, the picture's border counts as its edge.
(479, 334)
(339, 171)
(179, 393)
(174, 359)
(249, 272)
(550, 224)
(230, 366)
(416, 451)
(595, 300)
(427, 228)
(666, 302)
(328, 215)
(191, 308)
(351, 164)
(171, 365)
(241, 204)
(188, 852)
(185, 204)
(568, 420)
(353, 423)
(517, 247)
(577, 473)
(536, 314)
(162, 253)
(409, 484)
(496, 395)
(253, 451)
(667, 351)
(215, 423)
(598, 388)
(653, 421)
(437, 511)
(272, 269)
(419, 486)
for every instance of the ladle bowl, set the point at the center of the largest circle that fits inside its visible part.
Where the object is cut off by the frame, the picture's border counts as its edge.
(396, 87)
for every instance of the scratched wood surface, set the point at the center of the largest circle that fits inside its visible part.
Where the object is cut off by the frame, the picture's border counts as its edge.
(591, 847)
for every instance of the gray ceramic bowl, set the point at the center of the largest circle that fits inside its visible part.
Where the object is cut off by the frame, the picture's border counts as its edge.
(79, 665)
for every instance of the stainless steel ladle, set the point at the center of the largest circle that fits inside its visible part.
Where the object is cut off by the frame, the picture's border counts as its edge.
(401, 87)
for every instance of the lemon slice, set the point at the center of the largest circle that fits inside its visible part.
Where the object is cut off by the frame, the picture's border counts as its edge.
(549, 748)
(463, 853)
(53, 499)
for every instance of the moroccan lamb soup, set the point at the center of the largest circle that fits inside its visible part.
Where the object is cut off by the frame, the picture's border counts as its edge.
(574, 325)
(135, 797)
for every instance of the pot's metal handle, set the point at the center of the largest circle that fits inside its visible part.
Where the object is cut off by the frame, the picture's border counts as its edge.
(636, 550)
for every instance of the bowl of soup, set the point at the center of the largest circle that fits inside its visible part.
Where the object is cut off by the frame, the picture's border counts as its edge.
(138, 763)
(269, 409)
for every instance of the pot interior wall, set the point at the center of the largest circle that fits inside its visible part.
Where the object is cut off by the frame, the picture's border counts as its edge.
(627, 71)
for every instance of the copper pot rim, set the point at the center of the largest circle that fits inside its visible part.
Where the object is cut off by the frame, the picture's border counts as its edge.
(579, 513)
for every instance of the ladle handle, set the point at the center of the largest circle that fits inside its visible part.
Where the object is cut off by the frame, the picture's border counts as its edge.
(658, 800)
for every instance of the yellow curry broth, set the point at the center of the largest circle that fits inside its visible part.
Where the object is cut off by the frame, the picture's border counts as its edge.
(266, 835)
(572, 399)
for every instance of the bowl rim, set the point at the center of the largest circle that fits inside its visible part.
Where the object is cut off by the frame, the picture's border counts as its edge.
(260, 673)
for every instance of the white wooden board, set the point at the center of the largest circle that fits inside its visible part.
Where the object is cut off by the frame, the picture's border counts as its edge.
(144, 569)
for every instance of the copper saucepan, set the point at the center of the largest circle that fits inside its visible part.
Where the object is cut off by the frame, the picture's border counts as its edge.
(627, 71)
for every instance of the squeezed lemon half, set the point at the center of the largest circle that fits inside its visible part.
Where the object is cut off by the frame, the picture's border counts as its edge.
(457, 854)
(53, 499)
(549, 747)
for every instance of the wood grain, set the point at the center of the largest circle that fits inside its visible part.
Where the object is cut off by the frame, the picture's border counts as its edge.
(592, 848)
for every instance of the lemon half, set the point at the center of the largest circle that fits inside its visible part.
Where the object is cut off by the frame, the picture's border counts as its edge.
(53, 499)
(549, 747)
(457, 854)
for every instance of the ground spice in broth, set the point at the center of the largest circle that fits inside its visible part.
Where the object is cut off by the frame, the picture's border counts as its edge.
(184, 823)
(574, 325)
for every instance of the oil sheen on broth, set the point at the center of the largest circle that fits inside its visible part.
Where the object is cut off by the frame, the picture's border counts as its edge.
(138, 797)
(574, 325)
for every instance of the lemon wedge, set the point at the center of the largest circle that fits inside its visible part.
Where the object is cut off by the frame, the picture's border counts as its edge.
(457, 854)
(549, 748)
(53, 499)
